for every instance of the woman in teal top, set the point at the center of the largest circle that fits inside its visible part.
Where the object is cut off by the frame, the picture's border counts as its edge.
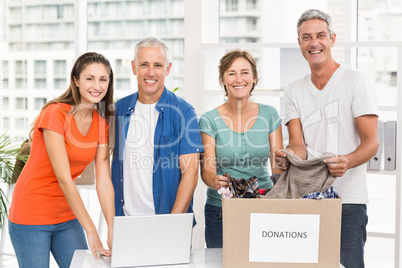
(239, 137)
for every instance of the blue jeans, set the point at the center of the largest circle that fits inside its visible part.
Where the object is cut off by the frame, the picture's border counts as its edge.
(33, 243)
(353, 235)
(213, 226)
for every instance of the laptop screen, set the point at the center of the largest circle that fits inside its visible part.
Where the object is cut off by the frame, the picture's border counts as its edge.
(151, 239)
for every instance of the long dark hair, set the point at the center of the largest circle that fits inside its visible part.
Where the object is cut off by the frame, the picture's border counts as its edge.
(72, 95)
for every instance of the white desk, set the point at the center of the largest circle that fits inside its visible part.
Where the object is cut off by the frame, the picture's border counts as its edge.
(200, 258)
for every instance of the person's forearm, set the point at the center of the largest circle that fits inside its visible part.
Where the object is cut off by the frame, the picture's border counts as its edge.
(209, 178)
(296, 138)
(367, 128)
(363, 153)
(106, 200)
(274, 166)
(299, 150)
(104, 186)
(185, 193)
(208, 171)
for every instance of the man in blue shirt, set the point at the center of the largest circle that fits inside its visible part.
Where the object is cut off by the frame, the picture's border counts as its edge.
(158, 144)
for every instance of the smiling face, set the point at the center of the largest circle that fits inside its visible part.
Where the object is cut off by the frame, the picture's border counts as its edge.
(151, 69)
(92, 83)
(315, 42)
(239, 79)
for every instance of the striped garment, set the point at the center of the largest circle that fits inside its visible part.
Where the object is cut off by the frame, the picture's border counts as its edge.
(329, 193)
(241, 188)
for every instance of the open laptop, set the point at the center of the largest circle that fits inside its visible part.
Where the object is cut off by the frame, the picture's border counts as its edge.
(151, 240)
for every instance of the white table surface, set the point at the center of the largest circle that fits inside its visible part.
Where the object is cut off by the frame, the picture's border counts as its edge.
(200, 258)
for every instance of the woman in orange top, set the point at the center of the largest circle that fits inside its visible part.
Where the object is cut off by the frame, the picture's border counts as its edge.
(47, 213)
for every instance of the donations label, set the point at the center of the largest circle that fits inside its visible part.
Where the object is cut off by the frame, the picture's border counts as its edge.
(289, 238)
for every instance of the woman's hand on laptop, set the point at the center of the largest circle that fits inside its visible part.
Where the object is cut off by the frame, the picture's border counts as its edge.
(95, 245)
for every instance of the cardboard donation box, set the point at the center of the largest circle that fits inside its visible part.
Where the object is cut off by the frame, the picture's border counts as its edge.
(281, 233)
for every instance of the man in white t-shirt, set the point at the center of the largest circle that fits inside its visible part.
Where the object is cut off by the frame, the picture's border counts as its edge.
(333, 109)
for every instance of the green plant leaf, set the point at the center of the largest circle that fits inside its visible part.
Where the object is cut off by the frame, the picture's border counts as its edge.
(3, 207)
(175, 89)
(8, 155)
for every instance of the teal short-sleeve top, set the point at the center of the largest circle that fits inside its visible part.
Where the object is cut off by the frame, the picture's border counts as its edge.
(242, 155)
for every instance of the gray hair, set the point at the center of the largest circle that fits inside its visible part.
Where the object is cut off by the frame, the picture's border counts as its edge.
(151, 42)
(315, 14)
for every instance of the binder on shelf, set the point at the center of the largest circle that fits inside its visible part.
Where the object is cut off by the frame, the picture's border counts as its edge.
(375, 162)
(390, 145)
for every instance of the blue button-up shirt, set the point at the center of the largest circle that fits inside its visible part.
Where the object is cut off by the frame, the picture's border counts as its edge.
(177, 133)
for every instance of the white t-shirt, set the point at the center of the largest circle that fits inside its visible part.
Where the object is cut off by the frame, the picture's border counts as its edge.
(139, 160)
(328, 121)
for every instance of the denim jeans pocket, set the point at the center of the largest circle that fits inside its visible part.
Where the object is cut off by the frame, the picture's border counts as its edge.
(212, 212)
